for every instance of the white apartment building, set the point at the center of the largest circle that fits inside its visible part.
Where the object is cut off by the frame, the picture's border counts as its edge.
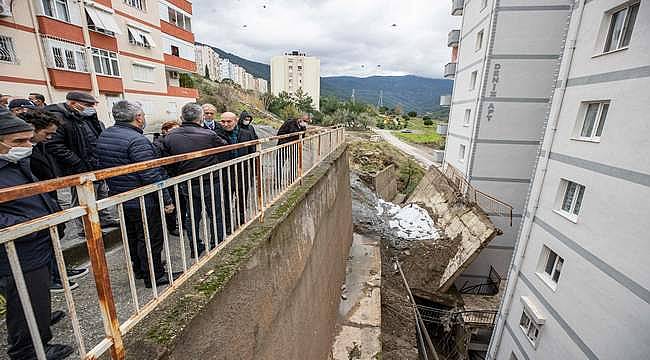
(579, 283)
(207, 60)
(293, 71)
(133, 49)
(504, 61)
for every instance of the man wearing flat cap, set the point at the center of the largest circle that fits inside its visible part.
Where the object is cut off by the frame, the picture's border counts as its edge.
(75, 141)
(33, 250)
(19, 106)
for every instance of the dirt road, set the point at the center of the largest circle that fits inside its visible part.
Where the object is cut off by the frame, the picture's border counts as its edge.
(421, 156)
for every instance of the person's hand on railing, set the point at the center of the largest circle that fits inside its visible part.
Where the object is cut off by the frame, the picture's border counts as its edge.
(169, 209)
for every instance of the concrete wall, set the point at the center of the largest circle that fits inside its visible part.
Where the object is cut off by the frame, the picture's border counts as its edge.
(273, 292)
(385, 183)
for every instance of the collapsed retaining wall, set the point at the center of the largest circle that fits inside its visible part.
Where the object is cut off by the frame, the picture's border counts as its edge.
(385, 183)
(273, 292)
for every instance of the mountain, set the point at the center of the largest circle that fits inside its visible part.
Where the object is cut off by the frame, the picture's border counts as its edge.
(413, 93)
(254, 68)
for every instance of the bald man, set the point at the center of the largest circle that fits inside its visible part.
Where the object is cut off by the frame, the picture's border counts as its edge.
(230, 131)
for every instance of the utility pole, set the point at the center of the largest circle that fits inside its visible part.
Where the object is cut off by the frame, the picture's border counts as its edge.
(380, 101)
(352, 98)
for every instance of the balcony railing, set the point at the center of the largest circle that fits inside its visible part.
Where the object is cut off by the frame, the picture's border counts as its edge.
(488, 203)
(450, 70)
(488, 285)
(453, 38)
(445, 100)
(238, 192)
(457, 7)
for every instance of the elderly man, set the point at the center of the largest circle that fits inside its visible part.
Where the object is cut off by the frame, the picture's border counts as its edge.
(191, 136)
(75, 141)
(38, 100)
(233, 133)
(19, 106)
(209, 112)
(293, 126)
(123, 144)
(34, 250)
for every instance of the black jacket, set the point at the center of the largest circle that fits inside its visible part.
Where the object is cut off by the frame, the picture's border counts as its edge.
(44, 165)
(34, 250)
(125, 144)
(237, 136)
(290, 126)
(70, 145)
(248, 127)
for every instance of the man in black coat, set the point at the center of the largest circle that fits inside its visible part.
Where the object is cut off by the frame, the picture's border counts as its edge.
(233, 133)
(34, 250)
(44, 167)
(286, 164)
(293, 126)
(190, 137)
(123, 144)
(75, 141)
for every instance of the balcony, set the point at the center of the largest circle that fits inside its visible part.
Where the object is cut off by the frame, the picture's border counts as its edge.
(450, 70)
(457, 7)
(453, 38)
(445, 100)
(182, 92)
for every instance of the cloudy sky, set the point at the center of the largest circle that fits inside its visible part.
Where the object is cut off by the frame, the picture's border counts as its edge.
(351, 37)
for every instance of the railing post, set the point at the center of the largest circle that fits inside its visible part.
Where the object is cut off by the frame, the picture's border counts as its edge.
(319, 136)
(260, 182)
(300, 146)
(94, 240)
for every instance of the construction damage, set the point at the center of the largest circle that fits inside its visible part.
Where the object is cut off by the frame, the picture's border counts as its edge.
(426, 243)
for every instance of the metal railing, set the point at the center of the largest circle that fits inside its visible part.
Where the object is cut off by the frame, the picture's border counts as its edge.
(239, 190)
(478, 317)
(489, 285)
(488, 203)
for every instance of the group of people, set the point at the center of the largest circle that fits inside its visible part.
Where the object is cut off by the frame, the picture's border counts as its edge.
(41, 142)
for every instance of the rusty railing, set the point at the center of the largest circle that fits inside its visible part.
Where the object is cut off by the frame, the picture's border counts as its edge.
(487, 202)
(239, 190)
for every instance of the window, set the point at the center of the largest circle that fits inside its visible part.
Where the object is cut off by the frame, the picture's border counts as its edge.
(529, 327)
(105, 62)
(7, 50)
(621, 24)
(143, 73)
(64, 55)
(461, 153)
(479, 40)
(179, 19)
(594, 120)
(57, 9)
(571, 199)
(175, 50)
(472, 80)
(140, 38)
(468, 116)
(138, 4)
(550, 266)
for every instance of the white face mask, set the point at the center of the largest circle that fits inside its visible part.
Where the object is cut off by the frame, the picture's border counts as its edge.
(89, 111)
(16, 153)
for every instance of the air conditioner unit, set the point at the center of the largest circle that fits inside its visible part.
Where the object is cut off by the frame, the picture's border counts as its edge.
(5, 8)
(173, 74)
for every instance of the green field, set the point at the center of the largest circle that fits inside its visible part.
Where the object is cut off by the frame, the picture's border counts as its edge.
(422, 134)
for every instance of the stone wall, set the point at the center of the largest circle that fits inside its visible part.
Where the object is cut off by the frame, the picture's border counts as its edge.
(273, 292)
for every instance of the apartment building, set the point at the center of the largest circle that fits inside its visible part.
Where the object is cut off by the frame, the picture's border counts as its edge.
(293, 71)
(120, 49)
(579, 285)
(504, 62)
(208, 62)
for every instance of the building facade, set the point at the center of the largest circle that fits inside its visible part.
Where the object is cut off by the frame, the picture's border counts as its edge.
(578, 285)
(208, 62)
(127, 49)
(293, 71)
(504, 61)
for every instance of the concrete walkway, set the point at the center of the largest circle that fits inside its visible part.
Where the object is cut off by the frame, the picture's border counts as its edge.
(421, 156)
(359, 324)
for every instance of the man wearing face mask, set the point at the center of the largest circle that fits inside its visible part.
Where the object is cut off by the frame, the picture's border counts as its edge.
(74, 143)
(123, 144)
(33, 250)
(209, 112)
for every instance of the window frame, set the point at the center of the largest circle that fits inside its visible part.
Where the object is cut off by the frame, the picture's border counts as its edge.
(10, 48)
(531, 325)
(596, 132)
(134, 72)
(479, 40)
(133, 4)
(473, 78)
(550, 275)
(625, 27)
(53, 7)
(462, 151)
(108, 62)
(577, 199)
(80, 60)
(467, 119)
(179, 17)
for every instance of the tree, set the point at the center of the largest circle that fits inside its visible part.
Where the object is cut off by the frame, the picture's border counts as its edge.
(412, 114)
(428, 122)
(207, 72)
(398, 110)
(302, 101)
(425, 118)
(267, 99)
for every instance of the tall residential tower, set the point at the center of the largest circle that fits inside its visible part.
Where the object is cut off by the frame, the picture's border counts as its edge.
(293, 71)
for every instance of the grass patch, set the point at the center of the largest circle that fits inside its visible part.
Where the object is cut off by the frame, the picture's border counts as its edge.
(371, 157)
(422, 135)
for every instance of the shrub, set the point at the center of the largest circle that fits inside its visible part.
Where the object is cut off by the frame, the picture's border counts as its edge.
(412, 114)
(428, 122)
